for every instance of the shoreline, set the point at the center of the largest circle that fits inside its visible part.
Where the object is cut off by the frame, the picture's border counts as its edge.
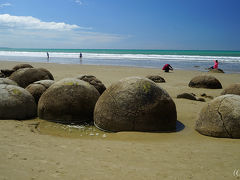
(27, 153)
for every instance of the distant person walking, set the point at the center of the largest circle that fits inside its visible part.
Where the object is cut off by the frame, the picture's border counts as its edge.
(167, 67)
(47, 55)
(80, 55)
(215, 66)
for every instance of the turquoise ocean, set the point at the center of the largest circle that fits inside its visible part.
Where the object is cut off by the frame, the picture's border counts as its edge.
(200, 60)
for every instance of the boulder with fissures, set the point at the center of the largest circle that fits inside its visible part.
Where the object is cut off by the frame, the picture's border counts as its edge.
(21, 66)
(220, 117)
(68, 101)
(156, 78)
(205, 81)
(7, 81)
(135, 104)
(24, 77)
(232, 89)
(93, 81)
(38, 88)
(16, 103)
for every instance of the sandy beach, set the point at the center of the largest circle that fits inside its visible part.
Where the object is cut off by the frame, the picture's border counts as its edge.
(35, 149)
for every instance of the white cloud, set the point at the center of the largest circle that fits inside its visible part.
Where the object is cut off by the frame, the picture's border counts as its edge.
(27, 31)
(78, 2)
(5, 5)
(29, 22)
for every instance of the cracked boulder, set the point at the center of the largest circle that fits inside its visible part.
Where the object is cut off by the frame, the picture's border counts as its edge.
(38, 88)
(205, 81)
(232, 89)
(220, 117)
(68, 101)
(135, 104)
(24, 77)
(93, 81)
(16, 103)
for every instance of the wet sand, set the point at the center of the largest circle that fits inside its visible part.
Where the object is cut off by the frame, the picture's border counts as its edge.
(36, 149)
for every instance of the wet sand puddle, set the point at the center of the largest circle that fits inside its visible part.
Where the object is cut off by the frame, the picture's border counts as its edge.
(87, 131)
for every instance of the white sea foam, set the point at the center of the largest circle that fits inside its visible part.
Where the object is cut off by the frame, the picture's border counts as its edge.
(122, 56)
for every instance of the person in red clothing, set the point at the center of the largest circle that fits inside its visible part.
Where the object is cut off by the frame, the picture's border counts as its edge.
(215, 65)
(167, 67)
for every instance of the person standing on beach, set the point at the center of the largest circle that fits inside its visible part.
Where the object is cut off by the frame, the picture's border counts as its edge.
(80, 55)
(47, 55)
(215, 65)
(167, 67)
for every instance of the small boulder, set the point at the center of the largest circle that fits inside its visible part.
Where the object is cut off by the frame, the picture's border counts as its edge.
(93, 81)
(68, 101)
(21, 66)
(38, 88)
(156, 78)
(205, 81)
(220, 117)
(189, 96)
(135, 104)
(232, 89)
(16, 103)
(27, 76)
(8, 81)
(216, 71)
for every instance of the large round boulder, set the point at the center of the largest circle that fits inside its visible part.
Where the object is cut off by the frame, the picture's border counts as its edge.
(21, 66)
(24, 77)
(38, 88)
(93, 81)
(68, 101)
(232, 89)
(7, 81)
(220, 117)
(16, 103)
(205, 81)
(135, 104)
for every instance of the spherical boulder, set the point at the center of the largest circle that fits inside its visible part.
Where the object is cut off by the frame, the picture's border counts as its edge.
(232, 89)
(16, 103)
(156, 78)
(68, 101)
(93, 81)
(21, 66)
(205, 81)
(38, 88)
(7, 81)
(135, 104)
(24, 77)
(221, 117)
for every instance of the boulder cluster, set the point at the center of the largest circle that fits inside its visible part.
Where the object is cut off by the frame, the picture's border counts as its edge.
(130, 104)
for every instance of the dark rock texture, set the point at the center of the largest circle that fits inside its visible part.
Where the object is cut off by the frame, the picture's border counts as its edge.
(156, 78)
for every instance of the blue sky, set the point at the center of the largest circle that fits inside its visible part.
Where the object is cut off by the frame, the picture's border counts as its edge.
(134, 24)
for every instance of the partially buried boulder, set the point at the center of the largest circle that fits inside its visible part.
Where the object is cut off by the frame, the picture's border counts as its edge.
(7, 81)
(93, 81)
(221, 117)
(216, 71)
(24, 77)
(189, 96)
(205, 81)
(38, 88)
(135, 104)
(156, 78)
(68, 101)
(16, 103)
(232, 89)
